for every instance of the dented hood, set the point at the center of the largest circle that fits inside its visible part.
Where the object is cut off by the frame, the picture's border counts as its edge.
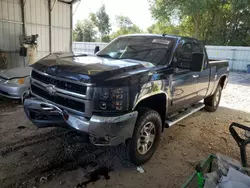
(91, 68)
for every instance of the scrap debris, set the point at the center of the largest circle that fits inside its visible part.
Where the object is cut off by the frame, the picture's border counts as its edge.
(140, 169)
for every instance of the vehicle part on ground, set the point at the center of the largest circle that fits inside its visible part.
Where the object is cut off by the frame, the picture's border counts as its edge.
(212, 102)
(140, 169)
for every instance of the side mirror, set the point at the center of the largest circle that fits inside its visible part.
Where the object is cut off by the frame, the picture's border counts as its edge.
(97, 49)
(197, 62)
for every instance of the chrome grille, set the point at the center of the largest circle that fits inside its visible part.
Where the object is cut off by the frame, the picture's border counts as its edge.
(63, 101)
(59, 91)
(69, 86)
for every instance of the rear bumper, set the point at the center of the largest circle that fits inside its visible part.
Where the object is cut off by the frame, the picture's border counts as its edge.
(102, 130)
(12, 90)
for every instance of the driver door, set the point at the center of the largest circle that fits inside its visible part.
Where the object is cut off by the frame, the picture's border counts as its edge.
(184, 80)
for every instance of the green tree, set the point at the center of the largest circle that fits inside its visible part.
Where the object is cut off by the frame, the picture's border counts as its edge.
(222, 22)
(123, 22)
(160, 28)
(163, 10)
(125, 26)
(84, 31)
(102, 22)
(78, 32)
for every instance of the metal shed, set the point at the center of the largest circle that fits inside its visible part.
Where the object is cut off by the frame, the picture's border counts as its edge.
(50, 19)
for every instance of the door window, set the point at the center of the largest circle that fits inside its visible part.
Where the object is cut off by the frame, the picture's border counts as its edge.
(184, 55)
(197, 47)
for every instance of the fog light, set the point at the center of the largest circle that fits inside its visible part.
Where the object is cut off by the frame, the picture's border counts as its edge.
(105, 94)
(103, 105)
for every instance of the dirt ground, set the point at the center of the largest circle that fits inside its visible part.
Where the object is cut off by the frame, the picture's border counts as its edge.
(31, 157)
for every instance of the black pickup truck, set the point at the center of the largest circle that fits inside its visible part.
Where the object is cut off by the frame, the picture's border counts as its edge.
(128, 92)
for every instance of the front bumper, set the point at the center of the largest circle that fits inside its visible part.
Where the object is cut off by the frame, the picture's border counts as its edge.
(102, 130)
(13, 91)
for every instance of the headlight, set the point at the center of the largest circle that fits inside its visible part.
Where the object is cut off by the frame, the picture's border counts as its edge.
(19, 81)
(110, 99)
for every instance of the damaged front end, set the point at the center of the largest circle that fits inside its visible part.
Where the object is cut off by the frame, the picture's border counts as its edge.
(103, 130)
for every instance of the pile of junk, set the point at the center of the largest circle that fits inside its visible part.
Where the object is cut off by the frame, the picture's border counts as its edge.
(221, 171)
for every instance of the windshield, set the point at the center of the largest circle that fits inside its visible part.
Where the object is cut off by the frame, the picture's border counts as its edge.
(155, 50)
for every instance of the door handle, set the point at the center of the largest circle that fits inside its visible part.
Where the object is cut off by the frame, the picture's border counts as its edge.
(48, 108)
(196, 75)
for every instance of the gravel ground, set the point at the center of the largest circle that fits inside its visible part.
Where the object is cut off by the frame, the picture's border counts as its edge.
(235, 96)
(31, 157)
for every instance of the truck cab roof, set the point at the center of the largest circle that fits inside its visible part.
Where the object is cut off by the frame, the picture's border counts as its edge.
(176, 37)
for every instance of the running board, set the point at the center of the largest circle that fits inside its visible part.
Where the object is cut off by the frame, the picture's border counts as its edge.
(175, 119)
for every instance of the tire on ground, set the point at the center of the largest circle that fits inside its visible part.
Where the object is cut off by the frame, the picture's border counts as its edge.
(212, 102)
(145, 116)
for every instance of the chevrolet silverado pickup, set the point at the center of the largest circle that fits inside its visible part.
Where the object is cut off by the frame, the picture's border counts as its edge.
(128, 92)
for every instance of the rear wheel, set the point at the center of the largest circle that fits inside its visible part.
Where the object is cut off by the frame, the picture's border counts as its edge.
(212, 102)
(146, 136)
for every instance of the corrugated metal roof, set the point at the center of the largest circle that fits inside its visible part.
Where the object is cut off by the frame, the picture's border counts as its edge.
(69, 1)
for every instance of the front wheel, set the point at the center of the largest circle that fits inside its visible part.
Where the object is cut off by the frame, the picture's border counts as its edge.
(146, 136)
(212, 102)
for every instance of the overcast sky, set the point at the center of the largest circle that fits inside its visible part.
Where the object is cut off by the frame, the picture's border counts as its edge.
(136, 10)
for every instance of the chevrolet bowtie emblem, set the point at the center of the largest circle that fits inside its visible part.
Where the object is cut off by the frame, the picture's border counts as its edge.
(51, 89)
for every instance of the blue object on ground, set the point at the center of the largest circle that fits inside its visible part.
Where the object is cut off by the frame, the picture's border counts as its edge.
(248, 68)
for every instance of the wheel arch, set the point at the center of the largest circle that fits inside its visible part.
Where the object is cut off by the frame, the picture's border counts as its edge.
(222, 81)
(157, 101)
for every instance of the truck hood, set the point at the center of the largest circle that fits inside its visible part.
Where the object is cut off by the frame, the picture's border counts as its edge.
(15, 73)
(93, 69)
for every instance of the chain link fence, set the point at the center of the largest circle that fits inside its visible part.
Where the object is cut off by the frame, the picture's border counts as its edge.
(87, 47)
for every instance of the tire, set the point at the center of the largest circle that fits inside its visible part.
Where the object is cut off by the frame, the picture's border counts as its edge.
(146, 136)
(212, 102)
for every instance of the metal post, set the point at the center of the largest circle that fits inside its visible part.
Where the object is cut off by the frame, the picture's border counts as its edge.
(233, 59)
(76, 8)
(23, 25)
(53, 5)
(71, 27)
(23, 17)
(50, 37)
(71, 21)
(74, 1)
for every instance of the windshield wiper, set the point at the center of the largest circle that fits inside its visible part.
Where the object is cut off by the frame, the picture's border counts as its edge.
(133, 58)
(104, 55)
